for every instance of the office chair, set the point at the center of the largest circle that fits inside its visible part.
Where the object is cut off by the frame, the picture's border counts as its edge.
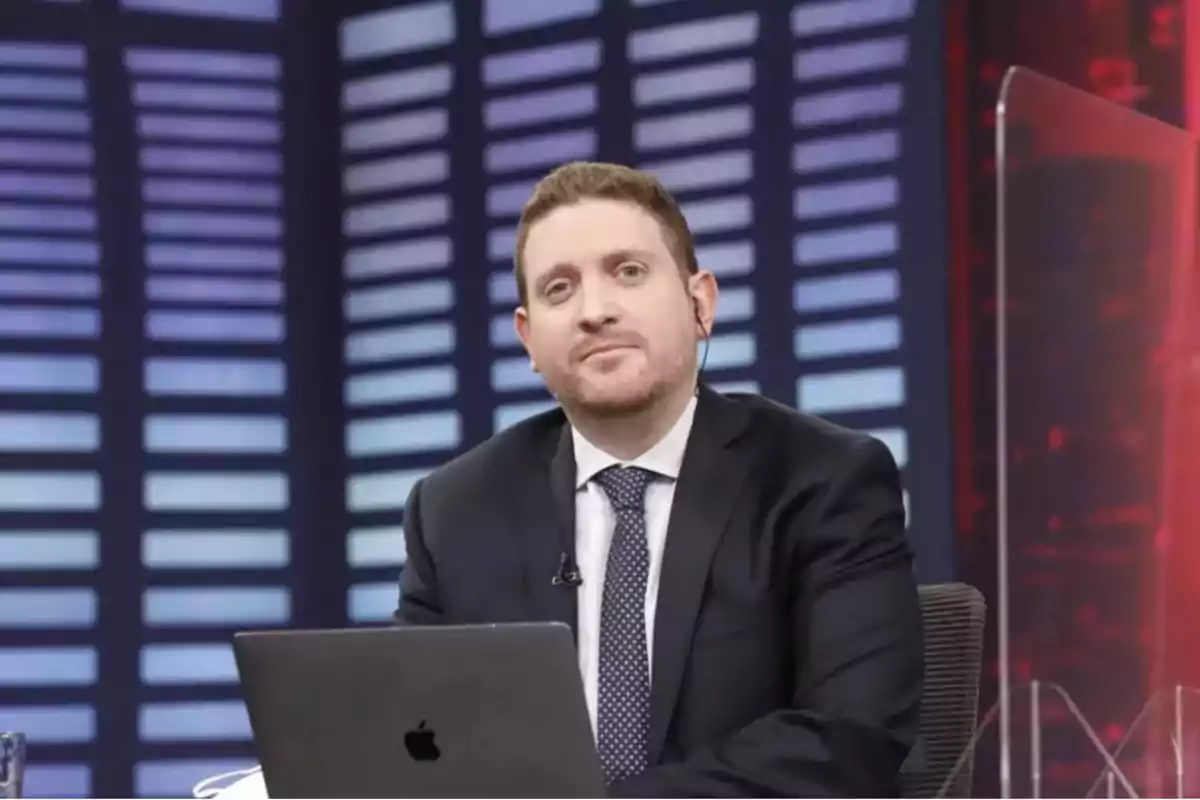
(953, 615)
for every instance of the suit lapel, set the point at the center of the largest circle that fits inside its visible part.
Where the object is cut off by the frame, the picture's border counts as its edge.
(710, 479)
(546, 520)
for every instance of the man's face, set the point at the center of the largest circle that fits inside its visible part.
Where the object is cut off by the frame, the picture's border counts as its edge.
(609, 321)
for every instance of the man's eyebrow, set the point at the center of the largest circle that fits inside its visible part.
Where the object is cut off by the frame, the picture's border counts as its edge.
(557, 271)
(628, 254)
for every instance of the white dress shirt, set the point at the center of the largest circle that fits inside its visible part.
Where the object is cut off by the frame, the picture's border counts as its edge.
(594, 524)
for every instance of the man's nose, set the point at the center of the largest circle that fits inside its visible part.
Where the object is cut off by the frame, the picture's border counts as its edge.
(596, 309)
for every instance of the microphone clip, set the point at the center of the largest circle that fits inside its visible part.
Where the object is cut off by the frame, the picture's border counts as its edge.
(568, 573)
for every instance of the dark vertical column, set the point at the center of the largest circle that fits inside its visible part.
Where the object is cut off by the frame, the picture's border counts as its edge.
(468, 228)
(312, 203)
(985, 33)
(614, 127)
(924, 294)
(122, 404)
(772, 188)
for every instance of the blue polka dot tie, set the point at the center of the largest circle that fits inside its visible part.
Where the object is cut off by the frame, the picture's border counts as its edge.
(623, 713)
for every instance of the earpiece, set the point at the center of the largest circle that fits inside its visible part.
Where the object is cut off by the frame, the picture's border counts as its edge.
(699, 319)
(707, 342)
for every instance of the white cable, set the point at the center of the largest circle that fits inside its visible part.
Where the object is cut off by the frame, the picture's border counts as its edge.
(204, 789)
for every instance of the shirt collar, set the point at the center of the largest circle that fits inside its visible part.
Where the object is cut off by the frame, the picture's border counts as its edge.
(665, 458)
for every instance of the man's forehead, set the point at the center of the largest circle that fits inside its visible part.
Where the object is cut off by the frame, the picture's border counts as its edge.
(593, 230)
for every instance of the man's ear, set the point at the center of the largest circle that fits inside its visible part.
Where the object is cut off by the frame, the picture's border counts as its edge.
(703, 288)
(521, 323)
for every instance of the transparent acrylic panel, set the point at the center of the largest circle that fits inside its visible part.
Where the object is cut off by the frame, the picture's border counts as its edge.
(1124, 767)
(1168, 727)
(1098, 431)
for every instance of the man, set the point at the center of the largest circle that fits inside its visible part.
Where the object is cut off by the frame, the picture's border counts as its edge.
(737, 573)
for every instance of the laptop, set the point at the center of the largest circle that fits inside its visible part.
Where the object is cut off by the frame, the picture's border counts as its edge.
(438, 711)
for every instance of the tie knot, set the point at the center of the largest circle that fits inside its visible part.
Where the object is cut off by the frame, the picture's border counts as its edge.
(625, 486)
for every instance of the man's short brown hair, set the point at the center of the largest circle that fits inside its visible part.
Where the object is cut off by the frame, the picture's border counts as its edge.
(580, 180)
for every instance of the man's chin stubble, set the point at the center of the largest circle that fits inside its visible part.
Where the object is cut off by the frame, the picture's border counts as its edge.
(600, 403)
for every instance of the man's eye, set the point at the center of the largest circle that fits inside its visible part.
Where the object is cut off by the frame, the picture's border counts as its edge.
(629, 270)
(557, 287)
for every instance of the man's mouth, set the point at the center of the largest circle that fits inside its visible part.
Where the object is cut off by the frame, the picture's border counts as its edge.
(605, 348)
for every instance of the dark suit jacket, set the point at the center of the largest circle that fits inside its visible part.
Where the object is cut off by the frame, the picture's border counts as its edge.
(787, 643)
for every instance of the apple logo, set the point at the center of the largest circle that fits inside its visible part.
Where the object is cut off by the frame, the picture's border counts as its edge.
(421, 745)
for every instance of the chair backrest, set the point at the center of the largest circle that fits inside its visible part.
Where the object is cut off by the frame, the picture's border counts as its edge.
(953, 615)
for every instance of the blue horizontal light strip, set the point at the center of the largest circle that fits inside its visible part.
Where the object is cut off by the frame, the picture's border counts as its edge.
(47, 322)
(547, 105)
(395, 130)
(503, 17)
(846, 338)
(33, 153)
(557, 60)
(400, 342)
(56, 724)
(213, 433)
(42, 87)
(42, 54)
(855, 58)
(413, 254)
(57, 780)
(851, 390)
(730, 77)
(44, 608)
(373, 602)
(391, 31)
(541, 150)
(187, 664)
(214, 377)
(32, 491)
(404, 434)
(23, 217)
(393, 88)
(376, 547)
(45, 431)
(219, 291)
(215, 491)
(249, 327)
(200, 721)
(679, 40)
(64, 550)
(215, 606)
(850, 243)
(827, 16)
(252, 67)
(221, 191)
(724, 168)
(244, 10)
(216, 548)
(512, 413)
(43, 185)
(667, 131)
(401, 385)
(866, 288)
(381, 491)
(27, 667)
(214, 257)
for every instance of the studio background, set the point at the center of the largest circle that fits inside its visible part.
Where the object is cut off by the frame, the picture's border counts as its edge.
(255, 280)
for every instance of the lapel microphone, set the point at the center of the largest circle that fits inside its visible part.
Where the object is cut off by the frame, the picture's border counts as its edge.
(568, 573)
